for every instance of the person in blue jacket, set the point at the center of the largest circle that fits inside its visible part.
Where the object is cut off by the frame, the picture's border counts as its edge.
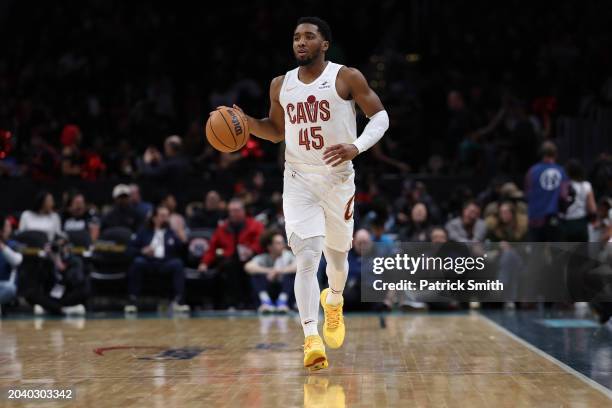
(156, 250)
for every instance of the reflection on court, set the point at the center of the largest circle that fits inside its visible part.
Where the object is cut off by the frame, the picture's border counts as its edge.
(416, 361)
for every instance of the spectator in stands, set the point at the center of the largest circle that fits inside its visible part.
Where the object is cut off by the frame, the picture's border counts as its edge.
(233, 243)
(546, 185)
(176, 220)
(599, 229)
(507, 224)
(43, 160)
(71, 153)
(42, 217)
(78, 218)
(438, 235)
(210, 215)
(9, 261)
(173, 167)
(417, 229)
(122, 214)
(275, 267)
(144, 208)
(469, 227)
(507, 192)
(156, 250)
(576, 225)
(414, 192)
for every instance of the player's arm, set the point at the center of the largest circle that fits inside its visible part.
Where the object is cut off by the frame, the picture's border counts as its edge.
(354, 85)
(271, 128)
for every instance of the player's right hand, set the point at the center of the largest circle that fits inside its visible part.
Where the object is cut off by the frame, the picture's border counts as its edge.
(202, 267)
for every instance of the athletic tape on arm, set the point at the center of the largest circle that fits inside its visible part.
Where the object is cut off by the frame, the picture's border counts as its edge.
(374, 130)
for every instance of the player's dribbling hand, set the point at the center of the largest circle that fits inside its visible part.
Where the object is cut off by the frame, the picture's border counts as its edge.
(339, 153)
(238, 108)
(202, 267)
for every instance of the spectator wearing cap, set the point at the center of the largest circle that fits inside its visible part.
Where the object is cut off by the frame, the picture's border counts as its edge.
(122, 214)
(157, 249)
(546, 185)
(468, 227)
(42, 216)
(507, 192)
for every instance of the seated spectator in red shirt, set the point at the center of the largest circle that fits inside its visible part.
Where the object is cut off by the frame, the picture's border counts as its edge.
(233, 243)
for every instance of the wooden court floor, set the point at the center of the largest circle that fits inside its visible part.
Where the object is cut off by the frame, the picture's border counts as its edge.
(405, 361)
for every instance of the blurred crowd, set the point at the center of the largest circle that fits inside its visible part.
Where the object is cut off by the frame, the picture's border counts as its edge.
(93, 91)
(117, 92)
(231, 251)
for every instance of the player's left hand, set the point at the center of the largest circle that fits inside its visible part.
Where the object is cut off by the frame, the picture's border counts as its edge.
(339, 153)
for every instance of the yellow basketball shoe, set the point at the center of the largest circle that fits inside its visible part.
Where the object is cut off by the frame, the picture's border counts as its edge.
(333, 327)
(314, 353)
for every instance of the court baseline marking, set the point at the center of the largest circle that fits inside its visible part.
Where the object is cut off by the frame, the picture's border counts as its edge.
(541, 353)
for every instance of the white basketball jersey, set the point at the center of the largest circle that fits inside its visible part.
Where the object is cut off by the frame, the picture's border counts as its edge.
(315, 116)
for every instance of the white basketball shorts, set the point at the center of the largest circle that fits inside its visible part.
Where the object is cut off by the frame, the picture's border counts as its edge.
(319, 203)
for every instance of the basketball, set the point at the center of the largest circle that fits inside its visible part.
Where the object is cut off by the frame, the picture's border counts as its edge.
(227, 130)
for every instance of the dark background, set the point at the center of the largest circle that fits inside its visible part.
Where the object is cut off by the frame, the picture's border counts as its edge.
(130, 74)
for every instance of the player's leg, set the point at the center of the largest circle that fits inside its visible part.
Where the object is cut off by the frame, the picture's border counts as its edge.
(305, 227)
(337, 272)
(338, 208)
(306, 287)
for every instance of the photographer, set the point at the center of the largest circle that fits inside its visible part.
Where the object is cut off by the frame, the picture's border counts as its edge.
(60, 285)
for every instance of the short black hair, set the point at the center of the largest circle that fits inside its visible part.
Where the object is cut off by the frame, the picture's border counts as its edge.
(321, 24)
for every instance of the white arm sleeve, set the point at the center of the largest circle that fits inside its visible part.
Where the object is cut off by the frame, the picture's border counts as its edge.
(374, 130)
(12, 257)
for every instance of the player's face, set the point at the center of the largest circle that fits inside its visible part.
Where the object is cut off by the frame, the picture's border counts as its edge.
(308, 43)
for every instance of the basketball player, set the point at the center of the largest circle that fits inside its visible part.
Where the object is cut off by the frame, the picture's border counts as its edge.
(313, 111)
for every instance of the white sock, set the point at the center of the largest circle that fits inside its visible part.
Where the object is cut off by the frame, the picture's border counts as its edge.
(308, 254)
(337, 272)
(264, 297)
(283, 297)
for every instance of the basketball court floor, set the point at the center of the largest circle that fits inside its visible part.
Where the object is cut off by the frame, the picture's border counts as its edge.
(472, 359)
